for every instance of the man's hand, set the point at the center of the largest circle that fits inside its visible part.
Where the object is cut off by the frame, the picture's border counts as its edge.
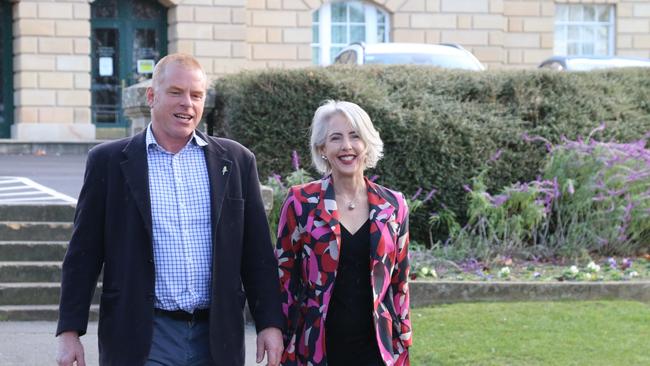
(270, 340)
(70, 350)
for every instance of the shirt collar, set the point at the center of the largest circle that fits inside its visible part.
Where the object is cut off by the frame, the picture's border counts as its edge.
(150, 139)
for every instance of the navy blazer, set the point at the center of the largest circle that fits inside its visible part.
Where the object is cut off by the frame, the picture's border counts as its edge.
(112, 231)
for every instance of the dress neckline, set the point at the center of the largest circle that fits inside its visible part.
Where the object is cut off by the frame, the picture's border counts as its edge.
(356, 232)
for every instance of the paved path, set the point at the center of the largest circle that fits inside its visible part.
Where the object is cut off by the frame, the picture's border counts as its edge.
(34, 344)
(21, 190)
(62, 173)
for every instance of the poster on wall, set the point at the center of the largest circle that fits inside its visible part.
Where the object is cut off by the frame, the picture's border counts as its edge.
(105, 66)
(145, 66)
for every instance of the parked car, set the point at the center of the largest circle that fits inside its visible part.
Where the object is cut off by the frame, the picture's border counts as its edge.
(586, 63)
(451, 56)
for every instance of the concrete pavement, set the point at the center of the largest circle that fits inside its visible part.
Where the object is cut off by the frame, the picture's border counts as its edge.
(34, 344)
(63, 173)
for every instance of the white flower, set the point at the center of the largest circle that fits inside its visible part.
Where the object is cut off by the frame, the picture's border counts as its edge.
(593, 267)
(574, 270)
(633, 274)
(428, 272)
(504, 272)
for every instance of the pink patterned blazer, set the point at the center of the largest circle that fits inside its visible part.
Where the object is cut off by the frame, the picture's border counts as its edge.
(308, 247)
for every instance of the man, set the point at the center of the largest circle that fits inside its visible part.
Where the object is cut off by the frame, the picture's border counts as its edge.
(176, 221)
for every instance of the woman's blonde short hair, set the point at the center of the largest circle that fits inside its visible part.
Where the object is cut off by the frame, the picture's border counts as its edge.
(361, 123)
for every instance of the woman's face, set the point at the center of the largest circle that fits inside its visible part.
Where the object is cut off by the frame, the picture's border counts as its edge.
(344, 149)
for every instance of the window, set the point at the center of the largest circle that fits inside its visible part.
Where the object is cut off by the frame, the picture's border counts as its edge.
(336, 25)
(127, 39)
(584, 30)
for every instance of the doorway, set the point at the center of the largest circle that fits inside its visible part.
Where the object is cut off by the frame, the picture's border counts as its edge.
(6, 70)
(128, 38)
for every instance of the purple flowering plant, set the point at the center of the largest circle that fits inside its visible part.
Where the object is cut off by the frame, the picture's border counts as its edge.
(281, 186)
(592, 198)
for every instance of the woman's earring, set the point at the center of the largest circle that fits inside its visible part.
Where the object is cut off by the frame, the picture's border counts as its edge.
(323, 157)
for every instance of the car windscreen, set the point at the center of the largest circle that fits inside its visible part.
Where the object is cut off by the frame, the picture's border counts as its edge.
(445, 61)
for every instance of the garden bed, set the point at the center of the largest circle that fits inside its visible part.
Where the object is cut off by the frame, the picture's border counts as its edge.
(426, 267)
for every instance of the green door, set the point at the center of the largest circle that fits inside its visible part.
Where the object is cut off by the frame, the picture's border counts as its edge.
(6, 70)
(128, 38)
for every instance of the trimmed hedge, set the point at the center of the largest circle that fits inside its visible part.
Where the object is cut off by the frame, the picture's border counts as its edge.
(439, 126)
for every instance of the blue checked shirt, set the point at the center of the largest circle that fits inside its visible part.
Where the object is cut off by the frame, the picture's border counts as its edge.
(179, 190)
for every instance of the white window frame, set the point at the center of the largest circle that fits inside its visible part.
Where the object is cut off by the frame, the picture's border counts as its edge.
(564, 24)
(325, 29)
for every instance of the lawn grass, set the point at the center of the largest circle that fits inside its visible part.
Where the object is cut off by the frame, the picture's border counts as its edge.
(532, 333)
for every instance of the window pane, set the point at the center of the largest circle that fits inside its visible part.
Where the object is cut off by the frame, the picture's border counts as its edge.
(333, 52)
(146, 9)
(315, 55)
(338, 13)
(145, 43)
(587, 48)
(559, 42)
(573, 33)
(601, 49)
(381, 18)
(603, 13)
(603, 34)
(559, 48)
(575, 13)
(339, 34)
(381, 33)
(104, 9)
(106, 90)
(357, 14)
(587, 34)
(561, 12)
(573, 48)
(315, 37)
(315, 16)
(357, 33)
(589, 13)
(602, 41)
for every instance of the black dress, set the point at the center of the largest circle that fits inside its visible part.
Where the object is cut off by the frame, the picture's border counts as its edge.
(349, 330)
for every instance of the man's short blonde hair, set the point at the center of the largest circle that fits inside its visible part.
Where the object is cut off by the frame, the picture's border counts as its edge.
(183, 59)
(359, 120)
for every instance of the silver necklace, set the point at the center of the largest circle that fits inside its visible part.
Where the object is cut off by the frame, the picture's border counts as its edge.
(350, 204)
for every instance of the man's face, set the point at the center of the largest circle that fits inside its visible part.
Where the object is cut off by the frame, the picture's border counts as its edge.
(177, 105)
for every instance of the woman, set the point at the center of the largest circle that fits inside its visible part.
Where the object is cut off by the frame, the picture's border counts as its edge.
(343, 252)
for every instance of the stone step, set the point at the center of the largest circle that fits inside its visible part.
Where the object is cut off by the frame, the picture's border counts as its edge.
(37, 212)
(35, 231)
(30, 271)
(30, 293)
(32, 250)
(37, 312)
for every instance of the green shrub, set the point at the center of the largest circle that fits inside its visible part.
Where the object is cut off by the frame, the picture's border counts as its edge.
(439, 126)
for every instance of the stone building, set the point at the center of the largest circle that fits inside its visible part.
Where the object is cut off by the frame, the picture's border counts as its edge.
(64, 63)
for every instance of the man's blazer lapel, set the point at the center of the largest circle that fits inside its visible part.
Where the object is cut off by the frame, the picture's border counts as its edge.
(219, 170)
(136, 175)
